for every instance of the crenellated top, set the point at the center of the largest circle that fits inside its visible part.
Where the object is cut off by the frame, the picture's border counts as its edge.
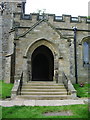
(18, 8)
(53, 17)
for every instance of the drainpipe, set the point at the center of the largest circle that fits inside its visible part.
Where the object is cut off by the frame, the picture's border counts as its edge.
(75, 53)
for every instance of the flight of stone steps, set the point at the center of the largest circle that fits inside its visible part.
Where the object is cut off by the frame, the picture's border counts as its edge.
(43, 91)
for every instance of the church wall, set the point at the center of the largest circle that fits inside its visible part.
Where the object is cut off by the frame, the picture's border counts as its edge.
(44, 30)
(66, 64)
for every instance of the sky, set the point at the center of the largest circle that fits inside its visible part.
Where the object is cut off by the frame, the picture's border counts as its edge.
(69, 7)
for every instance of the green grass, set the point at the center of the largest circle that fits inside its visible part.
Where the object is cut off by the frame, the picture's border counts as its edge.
(79, 111)
(5, 89)
(82, 91)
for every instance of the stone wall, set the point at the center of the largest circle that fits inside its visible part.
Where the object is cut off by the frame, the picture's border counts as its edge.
(65, 45)
(28, 32)
(6, 24)
(63, 26)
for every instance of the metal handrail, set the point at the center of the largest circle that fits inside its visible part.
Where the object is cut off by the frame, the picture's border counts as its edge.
(65, 81)
(21, 83)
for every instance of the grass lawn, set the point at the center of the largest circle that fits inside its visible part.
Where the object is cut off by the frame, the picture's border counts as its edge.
(5, 89)
(82, 91)
(78, 111)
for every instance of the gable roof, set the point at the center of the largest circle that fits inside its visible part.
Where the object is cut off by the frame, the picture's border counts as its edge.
(35, 25)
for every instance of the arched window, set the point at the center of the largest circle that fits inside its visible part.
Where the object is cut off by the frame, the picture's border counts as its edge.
(86, 53)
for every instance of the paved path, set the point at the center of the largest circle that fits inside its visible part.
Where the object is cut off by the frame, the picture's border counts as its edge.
(20, 102)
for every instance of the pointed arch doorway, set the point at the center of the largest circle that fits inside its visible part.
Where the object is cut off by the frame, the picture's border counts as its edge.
(42, 64)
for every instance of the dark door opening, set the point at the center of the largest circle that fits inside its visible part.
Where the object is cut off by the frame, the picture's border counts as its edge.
(42, 64)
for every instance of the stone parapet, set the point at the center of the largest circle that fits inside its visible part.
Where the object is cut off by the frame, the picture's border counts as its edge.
(63, 18)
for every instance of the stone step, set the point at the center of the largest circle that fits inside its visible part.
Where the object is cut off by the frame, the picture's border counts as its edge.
(43, 87)
(44, 97)
(43, 93)
(44, 90)
(42, 84)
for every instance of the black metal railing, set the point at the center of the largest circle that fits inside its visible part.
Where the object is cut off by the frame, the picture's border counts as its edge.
(21, 82)
(65, 81)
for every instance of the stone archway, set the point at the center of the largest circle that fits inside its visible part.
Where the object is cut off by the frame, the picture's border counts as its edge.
(42, 64)
(32, 55)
